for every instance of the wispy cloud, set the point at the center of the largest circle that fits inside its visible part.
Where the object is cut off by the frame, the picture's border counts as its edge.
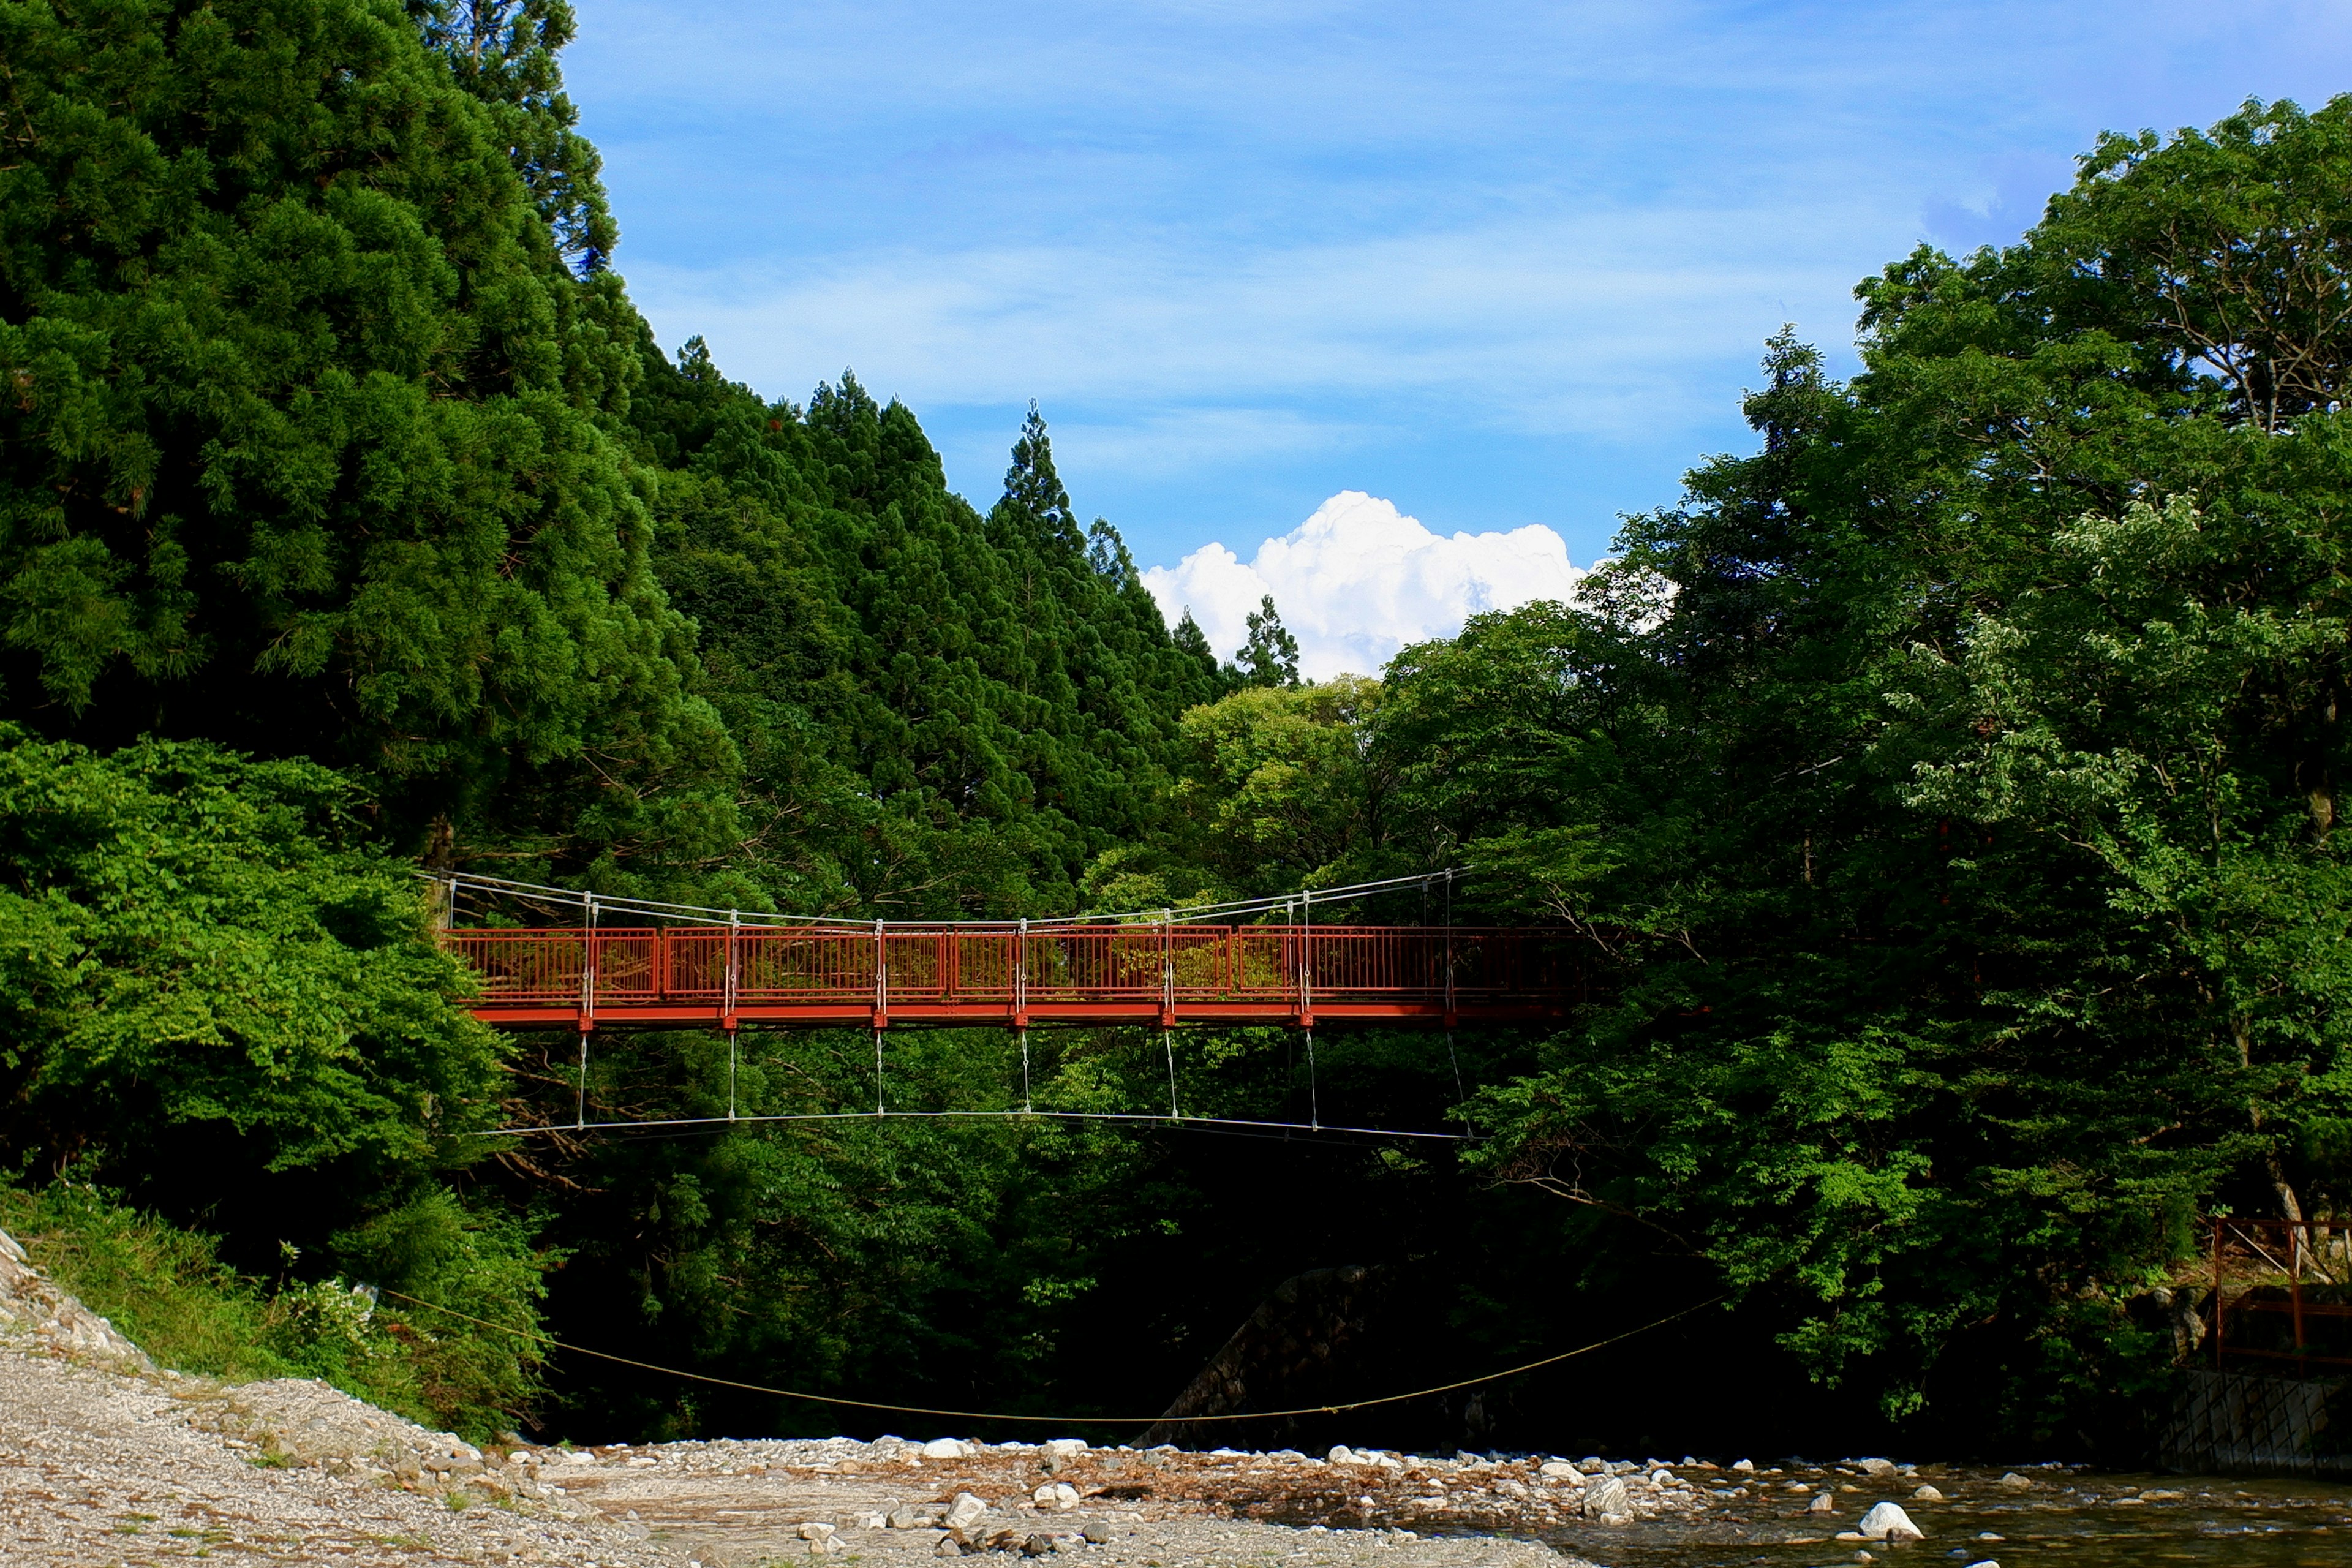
(1552, 226)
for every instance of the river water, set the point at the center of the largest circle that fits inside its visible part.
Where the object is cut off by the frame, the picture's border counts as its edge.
(2074, 1518)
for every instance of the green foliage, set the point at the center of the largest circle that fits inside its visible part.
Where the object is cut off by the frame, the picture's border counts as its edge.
(940, 713)
(198, 946)
(473, 1376)
(503, 52)
(1949, 789)
(1945, 794)
(1270, 657)
(1284, 786)
(166, 1289)
(306, 448)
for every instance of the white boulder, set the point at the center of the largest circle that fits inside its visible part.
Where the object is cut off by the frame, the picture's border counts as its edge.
(1887, 1522)
(1606, 1496)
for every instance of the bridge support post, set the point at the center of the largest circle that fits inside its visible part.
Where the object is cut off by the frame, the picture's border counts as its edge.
(1313, 1102)
(1021, 978)
(1460, 1094)
(587, 1006)
(1167, 1043)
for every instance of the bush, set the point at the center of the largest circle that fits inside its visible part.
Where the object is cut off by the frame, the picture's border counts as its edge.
(166, 1289)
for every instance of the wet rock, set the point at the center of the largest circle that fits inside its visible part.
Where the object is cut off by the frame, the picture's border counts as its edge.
(1877, 1469)
(1927, 1494)
(1744, 1467)
(1823, 1503)
(2016, 1481)
(1887, 1522)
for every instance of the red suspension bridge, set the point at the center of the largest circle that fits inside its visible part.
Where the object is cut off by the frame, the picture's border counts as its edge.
(1159, 972)
(621, 964)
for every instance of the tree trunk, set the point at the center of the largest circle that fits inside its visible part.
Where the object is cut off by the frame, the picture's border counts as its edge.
(2289, 1205)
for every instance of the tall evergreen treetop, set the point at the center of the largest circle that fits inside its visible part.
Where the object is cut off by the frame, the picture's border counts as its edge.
(1033, 495)
(504, 53)
(306, 450)
(1270, 657)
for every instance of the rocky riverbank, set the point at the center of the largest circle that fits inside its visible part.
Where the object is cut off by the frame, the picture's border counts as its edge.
(111, 1461)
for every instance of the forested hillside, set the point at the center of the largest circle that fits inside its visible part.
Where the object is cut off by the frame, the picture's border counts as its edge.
(1943, 795)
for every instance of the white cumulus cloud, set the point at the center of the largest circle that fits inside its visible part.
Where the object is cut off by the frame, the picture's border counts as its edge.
(1358, 580)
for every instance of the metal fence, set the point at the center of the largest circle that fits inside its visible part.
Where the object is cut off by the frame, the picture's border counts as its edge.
(2281, 1292)
(754, 966)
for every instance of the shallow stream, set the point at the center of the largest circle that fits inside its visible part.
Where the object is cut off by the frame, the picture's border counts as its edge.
(2080, 1519)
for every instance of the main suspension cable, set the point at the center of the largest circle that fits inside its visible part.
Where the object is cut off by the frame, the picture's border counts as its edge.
(1154, 1117)
(555, 1343)
(698, 914)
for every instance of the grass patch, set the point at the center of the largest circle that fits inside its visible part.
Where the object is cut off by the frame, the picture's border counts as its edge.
(167, 1290)
(164, 1288)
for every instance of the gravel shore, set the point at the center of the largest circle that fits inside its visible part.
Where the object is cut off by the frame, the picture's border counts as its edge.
(109, 1460)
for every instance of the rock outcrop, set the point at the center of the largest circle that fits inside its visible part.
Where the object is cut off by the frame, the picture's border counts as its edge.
(33, 1306)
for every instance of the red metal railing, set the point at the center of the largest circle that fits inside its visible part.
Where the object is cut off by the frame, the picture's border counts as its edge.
(652, 975)
(2282, 1291)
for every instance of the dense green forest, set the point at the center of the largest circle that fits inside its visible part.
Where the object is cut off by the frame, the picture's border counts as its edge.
(1943, 795)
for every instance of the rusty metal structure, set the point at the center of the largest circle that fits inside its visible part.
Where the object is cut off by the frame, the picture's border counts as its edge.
(2282, 1294)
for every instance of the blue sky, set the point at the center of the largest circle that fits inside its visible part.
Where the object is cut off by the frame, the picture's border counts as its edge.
(1501, 265)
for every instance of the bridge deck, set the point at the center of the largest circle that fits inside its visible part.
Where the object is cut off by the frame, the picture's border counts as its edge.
(722, 977)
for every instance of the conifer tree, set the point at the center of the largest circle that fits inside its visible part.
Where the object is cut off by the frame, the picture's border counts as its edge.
(308, 449)
(504, 53)
(1270, 657)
